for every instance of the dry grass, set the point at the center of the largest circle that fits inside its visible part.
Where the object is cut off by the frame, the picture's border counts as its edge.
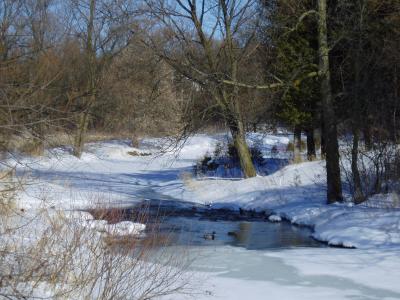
(8, 189)
(48, 252)
(27, 144)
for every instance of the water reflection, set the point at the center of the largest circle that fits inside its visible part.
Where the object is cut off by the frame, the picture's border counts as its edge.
(250, 235)
(242, 236)
(188, 224)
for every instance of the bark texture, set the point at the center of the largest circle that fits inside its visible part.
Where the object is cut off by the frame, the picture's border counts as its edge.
(297, 145)
(334, 186)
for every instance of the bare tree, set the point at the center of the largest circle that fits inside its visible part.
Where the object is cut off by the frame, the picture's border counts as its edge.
(208, 42)
(30, 69)
(103, 27)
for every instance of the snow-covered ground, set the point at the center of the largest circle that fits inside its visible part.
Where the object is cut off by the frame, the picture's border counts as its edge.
(316, 273)
(108, 175)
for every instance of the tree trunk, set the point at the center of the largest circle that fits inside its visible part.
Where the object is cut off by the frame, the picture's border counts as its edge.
(40, 146)
(90, 53)
(82, 126)
(297, 145)
(322, 141)
(334, 186)
(367, 136)
(36, 144)
(358, 193)
(239, 141)
(357, 111)
(135, 141)
(311, 154)
(396, 97)
(245, 157)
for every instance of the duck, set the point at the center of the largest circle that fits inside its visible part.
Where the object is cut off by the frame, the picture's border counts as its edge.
(209, 236)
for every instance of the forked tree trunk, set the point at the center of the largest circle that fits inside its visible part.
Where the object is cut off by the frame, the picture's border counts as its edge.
(226, 96)
(334, 186)
(311, 154)
(297, 145)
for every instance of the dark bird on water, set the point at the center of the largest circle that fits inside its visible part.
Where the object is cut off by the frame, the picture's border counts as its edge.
(209, 236)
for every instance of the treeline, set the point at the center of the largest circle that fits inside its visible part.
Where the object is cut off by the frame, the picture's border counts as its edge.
(72, 66)
(354, 46)
(173, 67)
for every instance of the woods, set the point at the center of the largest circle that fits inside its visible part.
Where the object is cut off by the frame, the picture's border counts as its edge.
(326, 69)
(208, 149)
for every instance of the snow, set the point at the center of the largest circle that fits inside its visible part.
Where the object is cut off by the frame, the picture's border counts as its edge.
(125, 228)
(274, 218)
(317, 273)
(368, 268)
(107, 175)
(86, 219)
(78, 215)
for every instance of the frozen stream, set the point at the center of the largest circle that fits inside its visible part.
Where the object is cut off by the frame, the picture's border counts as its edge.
(257, 259)
(253, 256)
(193, 225)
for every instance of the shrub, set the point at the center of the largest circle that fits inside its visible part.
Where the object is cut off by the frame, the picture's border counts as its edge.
(219, 150)
(48, 254)
(226, 157)
(379, 168)
(274, 150)
(33, 147)
(255, 154)
(205, 164)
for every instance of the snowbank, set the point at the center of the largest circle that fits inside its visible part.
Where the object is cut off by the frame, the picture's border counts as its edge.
(123, 228)
(274, 218)
(108, 175)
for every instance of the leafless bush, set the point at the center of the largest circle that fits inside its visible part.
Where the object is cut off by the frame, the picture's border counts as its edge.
(379, 168)
(26, 144)
(224, 161)
(59, 255)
